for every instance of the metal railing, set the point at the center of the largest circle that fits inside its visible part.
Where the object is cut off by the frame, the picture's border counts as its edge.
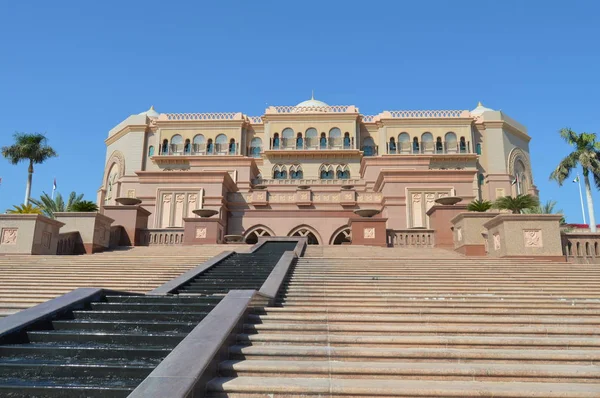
(161, 236)
(312, 143)
(411, 237)
(428, 147)
(200, 149)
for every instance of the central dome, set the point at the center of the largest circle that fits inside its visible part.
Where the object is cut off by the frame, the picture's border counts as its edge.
(311, 103)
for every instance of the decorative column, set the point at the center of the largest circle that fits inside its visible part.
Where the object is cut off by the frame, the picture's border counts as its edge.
(366, 230)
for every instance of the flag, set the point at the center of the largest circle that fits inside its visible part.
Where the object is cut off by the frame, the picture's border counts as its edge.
(515, 180)
(54, 185)
(576, 179)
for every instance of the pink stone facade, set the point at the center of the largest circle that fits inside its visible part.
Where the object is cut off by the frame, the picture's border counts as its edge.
(302, 170)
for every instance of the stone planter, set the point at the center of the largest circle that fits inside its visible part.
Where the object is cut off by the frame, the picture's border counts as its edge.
(94, 229)
(133, 219)
(439, 221)
(525, 235)
(28, 234)
(470, 236)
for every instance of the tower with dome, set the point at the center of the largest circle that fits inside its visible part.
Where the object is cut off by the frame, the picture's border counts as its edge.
(302, 170)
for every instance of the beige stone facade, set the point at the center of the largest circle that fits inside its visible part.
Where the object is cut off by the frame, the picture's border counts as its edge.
(301, 170)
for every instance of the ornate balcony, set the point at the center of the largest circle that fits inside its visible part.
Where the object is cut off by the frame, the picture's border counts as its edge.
(428, 148)
(200, 149)
(312, 143)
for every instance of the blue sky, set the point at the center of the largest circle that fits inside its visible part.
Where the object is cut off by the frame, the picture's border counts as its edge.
(75, 69)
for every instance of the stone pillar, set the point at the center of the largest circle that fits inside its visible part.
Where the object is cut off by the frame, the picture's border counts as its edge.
(93, 228)
(368, 231)
(525, 235)
(470, 237)
(202, 231)
(28, 234)
(439, 221)
(132, 219)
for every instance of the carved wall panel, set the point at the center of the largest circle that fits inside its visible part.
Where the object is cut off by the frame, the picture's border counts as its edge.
(9, 236)
(533, 238)
(369, 233)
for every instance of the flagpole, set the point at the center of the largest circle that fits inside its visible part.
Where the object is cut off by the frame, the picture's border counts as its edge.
(53, 188)
(581, 198)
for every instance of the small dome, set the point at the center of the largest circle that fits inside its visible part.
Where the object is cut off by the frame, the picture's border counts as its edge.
(312, 102)
(150, 112)
(480, 109)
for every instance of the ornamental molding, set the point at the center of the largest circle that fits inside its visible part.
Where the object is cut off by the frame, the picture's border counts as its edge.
(117, 158)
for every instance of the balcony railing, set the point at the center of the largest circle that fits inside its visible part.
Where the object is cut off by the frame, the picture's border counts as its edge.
(411, 237)
(428, 147)
(199, 149)
(311, 181)
(161, 236)
(311, 143)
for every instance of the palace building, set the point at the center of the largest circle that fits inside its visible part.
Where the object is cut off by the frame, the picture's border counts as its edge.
(302, 170)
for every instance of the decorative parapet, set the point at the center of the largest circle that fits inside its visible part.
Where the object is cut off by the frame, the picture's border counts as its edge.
(581, 247)
(369, 118)
(272, 181)
(422, 238)
(201, 116)
(425, 114)
(255, 119)
(312, 109)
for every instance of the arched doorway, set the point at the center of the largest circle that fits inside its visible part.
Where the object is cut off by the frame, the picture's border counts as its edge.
(252, 235)
(342, 236)
(308, 233)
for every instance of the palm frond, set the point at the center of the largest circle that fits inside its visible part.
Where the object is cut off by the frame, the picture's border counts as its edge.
(479, 205)
(516, 204)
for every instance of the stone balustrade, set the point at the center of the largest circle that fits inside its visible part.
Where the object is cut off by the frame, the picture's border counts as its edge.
(411, 237)
(315, 181)
(581, 247)
(161, 236)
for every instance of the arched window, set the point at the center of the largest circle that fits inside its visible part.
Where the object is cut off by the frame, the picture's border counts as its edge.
(463, 145)
(342, 172)
(187, 147)
(416, 145)
(177, 144)
(439, 146)
(296, 172)
(232, 147)
(311, 137)
(520, 177)
(427, 143)
(151, 151)
(280, 172)
(368, 146)
(276, 141)
(210, 148)
(221, 144)
(311, 237)
(404, 143)
(344, 236)
(287, 138)
(299, 141)
(199, 144)
(347, 141)
(255, 147)
(335, 138)
(451, 142)
(323, 141)
(478, 148)
(164, 149)
(392, 146)
(256, 232)
(326, 172)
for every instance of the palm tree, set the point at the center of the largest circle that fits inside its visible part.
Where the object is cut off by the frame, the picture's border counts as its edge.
(516, 204)
(32, 148)
(479, 205)
(24, 209)
(586, 155)
(546, 208)
(50, 206)
(85, 205)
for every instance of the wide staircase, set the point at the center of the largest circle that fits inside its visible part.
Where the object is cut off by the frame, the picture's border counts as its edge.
(106, 349)
(29, 280)
(421, 327)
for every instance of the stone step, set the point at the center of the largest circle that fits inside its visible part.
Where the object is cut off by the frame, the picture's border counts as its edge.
(424, 329)
(419, 354)
(365, 340)
(406, 370)
(473, 319)
(417, 309)
(333, 387)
